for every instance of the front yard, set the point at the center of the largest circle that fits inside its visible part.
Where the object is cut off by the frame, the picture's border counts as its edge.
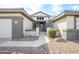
(49, 48)
(63, 47)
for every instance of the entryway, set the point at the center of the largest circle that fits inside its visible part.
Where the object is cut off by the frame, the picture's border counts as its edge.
(42, 26)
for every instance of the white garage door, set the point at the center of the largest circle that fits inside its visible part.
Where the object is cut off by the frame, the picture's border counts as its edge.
(5, 28)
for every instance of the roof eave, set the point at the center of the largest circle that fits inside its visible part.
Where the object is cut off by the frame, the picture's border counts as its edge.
(65, 13)
(39, 12)
(16, 10)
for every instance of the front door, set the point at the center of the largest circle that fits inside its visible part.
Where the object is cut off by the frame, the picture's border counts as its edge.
(17, 28)
(42, 26)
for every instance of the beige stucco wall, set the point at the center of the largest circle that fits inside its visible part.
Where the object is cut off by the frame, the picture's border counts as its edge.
(10, 14)
(46, 18)
(27, 24)
(70, 22)
(63, 24)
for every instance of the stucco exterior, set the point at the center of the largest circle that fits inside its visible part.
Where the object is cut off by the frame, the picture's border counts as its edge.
(6, 23)
(70, 22)
(26, 21)
(39, 14)
(66, 23)
(27, 25)
(42, 19)
(63, 24)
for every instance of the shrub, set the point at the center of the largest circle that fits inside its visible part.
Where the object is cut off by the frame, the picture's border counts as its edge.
(51, 32)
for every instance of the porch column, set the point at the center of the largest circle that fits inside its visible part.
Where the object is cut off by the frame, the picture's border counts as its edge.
(37, 29)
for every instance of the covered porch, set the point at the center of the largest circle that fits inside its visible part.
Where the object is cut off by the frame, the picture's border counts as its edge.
(41, 24)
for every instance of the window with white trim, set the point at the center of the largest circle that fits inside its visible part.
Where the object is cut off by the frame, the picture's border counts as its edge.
(40, 18)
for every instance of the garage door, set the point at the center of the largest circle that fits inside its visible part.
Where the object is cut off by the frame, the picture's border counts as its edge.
(77, 27)
(17, 29)
(5, 28)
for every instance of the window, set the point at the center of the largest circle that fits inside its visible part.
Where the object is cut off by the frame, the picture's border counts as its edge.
(37, 18)
(40, 18)
(49, 24)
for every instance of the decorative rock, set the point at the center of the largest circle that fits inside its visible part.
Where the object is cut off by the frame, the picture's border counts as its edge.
(59, 40)
(16, 53)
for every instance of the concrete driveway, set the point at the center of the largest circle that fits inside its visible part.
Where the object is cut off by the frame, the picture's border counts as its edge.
(40, 41)
(3, 40)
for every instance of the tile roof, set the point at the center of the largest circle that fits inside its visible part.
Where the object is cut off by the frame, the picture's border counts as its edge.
(64, 13)
(16, 10)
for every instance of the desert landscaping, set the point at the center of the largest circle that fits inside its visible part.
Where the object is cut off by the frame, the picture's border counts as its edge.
(68, 47)
(52, 47)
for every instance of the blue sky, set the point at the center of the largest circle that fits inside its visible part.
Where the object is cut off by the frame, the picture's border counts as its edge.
(49, 8)
(32, 6)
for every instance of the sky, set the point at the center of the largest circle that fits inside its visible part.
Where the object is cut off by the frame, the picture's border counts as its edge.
(32, 6)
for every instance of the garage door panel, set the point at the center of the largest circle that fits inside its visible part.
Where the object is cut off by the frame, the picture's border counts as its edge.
(5, 28)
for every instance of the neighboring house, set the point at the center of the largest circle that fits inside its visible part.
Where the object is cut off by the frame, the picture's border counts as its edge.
(14, 22)
(41, 20)
(68, 24)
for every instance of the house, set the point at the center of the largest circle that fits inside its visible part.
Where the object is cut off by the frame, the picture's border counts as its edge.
(14, 22)
(68, 24)
(41, 20)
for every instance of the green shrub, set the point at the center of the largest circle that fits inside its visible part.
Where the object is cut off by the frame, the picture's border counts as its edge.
(51, 32)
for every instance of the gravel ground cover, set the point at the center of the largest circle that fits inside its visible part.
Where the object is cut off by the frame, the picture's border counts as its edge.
(24, 50)
(69, 47)
(52, 47)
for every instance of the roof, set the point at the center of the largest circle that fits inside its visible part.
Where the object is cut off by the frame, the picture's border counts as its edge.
(66, 13)
(16, 10)
(40, 12)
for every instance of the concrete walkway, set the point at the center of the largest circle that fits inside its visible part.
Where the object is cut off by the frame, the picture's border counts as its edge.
(42, 40)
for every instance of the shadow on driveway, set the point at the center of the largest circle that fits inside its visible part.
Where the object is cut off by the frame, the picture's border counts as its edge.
(25, 50)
